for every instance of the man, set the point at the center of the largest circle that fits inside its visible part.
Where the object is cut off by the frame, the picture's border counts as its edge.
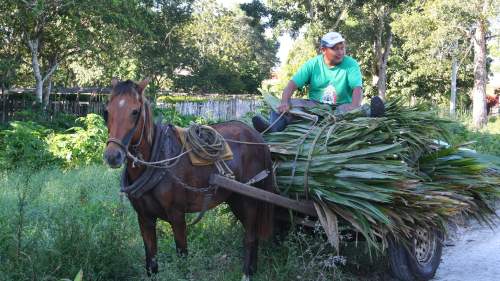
(332, 77)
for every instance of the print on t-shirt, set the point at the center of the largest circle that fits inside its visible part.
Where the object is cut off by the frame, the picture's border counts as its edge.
(329, 95)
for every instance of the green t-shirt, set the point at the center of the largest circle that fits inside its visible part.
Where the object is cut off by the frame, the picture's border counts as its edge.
(344, 77)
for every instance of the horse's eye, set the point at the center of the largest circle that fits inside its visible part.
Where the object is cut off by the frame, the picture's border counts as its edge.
(135, 112)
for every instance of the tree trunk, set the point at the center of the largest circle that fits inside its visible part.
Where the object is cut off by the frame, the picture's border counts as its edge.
(453, 96)
(381, 51)
(35, 64)
(377, 50)
(3, 102)
(382, 71)
(33, 45)
(479, 115)
(46, 96)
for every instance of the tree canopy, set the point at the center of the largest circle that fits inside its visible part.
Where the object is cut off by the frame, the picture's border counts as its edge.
(433, 50)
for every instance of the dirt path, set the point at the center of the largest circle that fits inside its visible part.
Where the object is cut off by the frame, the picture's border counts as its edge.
(472, 254)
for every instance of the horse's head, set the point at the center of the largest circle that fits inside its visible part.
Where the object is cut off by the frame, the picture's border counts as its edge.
(125, 117)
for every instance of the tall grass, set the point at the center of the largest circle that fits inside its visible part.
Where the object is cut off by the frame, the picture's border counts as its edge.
(486, 140)
(55, 222)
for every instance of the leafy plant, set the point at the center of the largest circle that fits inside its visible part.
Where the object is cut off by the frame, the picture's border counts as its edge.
(380, 175)
(80, 145)
(23, 144)
(172, 116)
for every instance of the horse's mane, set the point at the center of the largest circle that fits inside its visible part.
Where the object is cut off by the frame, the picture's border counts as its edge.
(124, 87)
(130, 86)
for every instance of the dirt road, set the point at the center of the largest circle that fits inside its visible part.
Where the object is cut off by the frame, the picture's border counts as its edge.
(472, 254)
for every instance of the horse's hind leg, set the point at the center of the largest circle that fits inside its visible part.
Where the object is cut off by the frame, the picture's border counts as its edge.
(178, 223)
(246, 212)
(148, 232)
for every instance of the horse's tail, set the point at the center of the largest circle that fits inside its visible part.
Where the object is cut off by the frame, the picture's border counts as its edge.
(265, 212)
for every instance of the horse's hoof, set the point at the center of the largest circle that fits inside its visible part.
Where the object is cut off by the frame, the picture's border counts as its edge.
(245, 278)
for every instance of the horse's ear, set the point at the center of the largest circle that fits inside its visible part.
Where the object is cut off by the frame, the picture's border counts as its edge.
(142, 85)
(114, 82)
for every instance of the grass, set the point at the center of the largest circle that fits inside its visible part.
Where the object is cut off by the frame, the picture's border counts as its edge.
(56, 222)
(486, 140)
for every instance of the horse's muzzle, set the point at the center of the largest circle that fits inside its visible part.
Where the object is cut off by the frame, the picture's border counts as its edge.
(114, 157)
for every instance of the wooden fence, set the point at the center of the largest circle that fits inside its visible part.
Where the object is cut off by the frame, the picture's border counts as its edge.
(76, 101)
(81, 101)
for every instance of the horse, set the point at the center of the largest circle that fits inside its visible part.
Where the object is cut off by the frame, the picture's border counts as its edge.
(132, 133)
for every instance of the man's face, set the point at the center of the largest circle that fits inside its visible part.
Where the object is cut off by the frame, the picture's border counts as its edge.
(334, 54)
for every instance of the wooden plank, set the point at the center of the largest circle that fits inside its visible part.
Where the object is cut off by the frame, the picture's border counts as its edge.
(305, 207)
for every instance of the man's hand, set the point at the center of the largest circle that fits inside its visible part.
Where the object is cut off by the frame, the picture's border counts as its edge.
(284, 107)
(357, 95)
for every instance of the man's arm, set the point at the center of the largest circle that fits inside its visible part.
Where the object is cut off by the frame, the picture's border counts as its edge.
(286, 97)
(357, 96)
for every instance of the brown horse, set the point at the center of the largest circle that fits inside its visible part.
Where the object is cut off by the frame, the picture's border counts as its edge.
(131, 129)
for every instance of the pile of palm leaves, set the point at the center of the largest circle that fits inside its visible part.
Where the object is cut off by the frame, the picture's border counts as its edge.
(382, 176)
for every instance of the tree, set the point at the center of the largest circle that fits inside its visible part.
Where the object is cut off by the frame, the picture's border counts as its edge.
(479, 113)
(229, 52)
(439, 34)
(366, 25)
(161, 49)
(55, 31)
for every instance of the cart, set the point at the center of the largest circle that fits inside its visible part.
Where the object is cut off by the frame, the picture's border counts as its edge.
(419, 261)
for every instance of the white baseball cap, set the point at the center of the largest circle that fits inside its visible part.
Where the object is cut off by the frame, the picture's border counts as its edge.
(331, 39)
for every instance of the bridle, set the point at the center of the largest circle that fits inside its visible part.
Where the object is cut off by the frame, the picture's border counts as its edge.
(124, 143)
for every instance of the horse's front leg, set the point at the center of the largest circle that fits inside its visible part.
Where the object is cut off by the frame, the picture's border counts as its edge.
(148, 232)
(178, 223)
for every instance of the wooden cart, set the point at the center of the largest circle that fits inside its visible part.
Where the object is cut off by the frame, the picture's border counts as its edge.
(418, 262)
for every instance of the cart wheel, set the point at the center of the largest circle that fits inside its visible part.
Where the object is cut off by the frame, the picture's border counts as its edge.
(421, 261)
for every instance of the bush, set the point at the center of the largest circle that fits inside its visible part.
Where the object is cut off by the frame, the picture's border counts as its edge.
(172, 116)
(80, 145)
(36, 145)
(57, 121)
(23, 144)
(31, 145)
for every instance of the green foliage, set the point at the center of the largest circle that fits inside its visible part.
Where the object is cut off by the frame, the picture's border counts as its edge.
(229, 52)
(80, 145)
(23, 144)
(31, 144)
(486, 140)
(303, 50)
(176, 99)
(381, 175)
(92, 41)
(171, 116)
(55, 223)
(57, 122)
(431, 34)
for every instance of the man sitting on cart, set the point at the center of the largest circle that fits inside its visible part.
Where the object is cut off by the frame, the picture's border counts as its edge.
(332, 77)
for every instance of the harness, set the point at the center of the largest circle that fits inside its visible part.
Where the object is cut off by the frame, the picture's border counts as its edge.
(159, 167)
